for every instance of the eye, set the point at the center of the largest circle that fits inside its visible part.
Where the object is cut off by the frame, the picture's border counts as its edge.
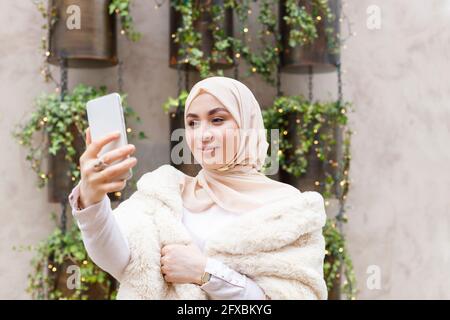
(192, 123)
(217, 120)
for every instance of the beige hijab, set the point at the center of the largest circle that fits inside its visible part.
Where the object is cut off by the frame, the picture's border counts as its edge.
(238, 186)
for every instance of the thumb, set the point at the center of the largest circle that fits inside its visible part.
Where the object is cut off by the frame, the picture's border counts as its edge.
(88, 136)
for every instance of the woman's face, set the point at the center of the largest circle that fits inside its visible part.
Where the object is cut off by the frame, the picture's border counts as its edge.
(212, 134)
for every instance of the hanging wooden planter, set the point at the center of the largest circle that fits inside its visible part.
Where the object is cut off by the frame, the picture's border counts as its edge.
(201, 25)
(93, 44)
(60, 182)
(177, 122)
(322, 54)
(312, 179)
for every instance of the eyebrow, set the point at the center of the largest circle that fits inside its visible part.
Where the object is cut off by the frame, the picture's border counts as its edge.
(210, 112)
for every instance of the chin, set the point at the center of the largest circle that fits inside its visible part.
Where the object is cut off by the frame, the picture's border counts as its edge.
(208, 161)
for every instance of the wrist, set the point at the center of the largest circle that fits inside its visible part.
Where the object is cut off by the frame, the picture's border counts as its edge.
(203, 275)
(84, 201)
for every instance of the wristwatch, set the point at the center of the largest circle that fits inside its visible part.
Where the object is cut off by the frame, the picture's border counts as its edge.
(205, 278)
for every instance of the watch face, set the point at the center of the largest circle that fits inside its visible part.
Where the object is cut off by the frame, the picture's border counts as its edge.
(206, 277)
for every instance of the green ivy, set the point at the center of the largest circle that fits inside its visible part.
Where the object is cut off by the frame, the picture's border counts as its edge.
(178, 102)
(49, 269)
(337, 260)
(311, 120)
(303, 31)
(122, 9)
(52, 122)
(190, 40)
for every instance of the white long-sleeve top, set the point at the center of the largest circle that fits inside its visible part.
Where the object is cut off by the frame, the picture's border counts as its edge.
(108, 248)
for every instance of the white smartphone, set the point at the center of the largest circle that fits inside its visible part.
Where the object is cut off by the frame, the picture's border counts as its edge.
(105, 115)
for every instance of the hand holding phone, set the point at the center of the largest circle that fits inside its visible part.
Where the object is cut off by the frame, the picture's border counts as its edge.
(111, 145)
(105, 116)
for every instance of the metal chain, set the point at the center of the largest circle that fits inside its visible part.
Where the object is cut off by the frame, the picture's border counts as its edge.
(339, 138)
(63, 92)
(339, 77)
(63, 215)
(179, 85)
(278, 81)
(120, 76)
(63, 74)
(310, 84)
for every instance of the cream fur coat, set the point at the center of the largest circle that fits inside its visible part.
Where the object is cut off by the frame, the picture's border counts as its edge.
(280, 247)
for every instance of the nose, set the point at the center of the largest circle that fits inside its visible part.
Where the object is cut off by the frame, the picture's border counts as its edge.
(205, 134)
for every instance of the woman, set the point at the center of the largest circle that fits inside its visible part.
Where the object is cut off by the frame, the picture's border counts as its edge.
(228, 233)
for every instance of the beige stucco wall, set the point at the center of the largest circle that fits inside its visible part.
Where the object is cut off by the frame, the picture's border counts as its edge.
(397, 78)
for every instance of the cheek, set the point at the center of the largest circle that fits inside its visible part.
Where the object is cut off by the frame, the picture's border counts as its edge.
(230, 139)
(189, 138)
